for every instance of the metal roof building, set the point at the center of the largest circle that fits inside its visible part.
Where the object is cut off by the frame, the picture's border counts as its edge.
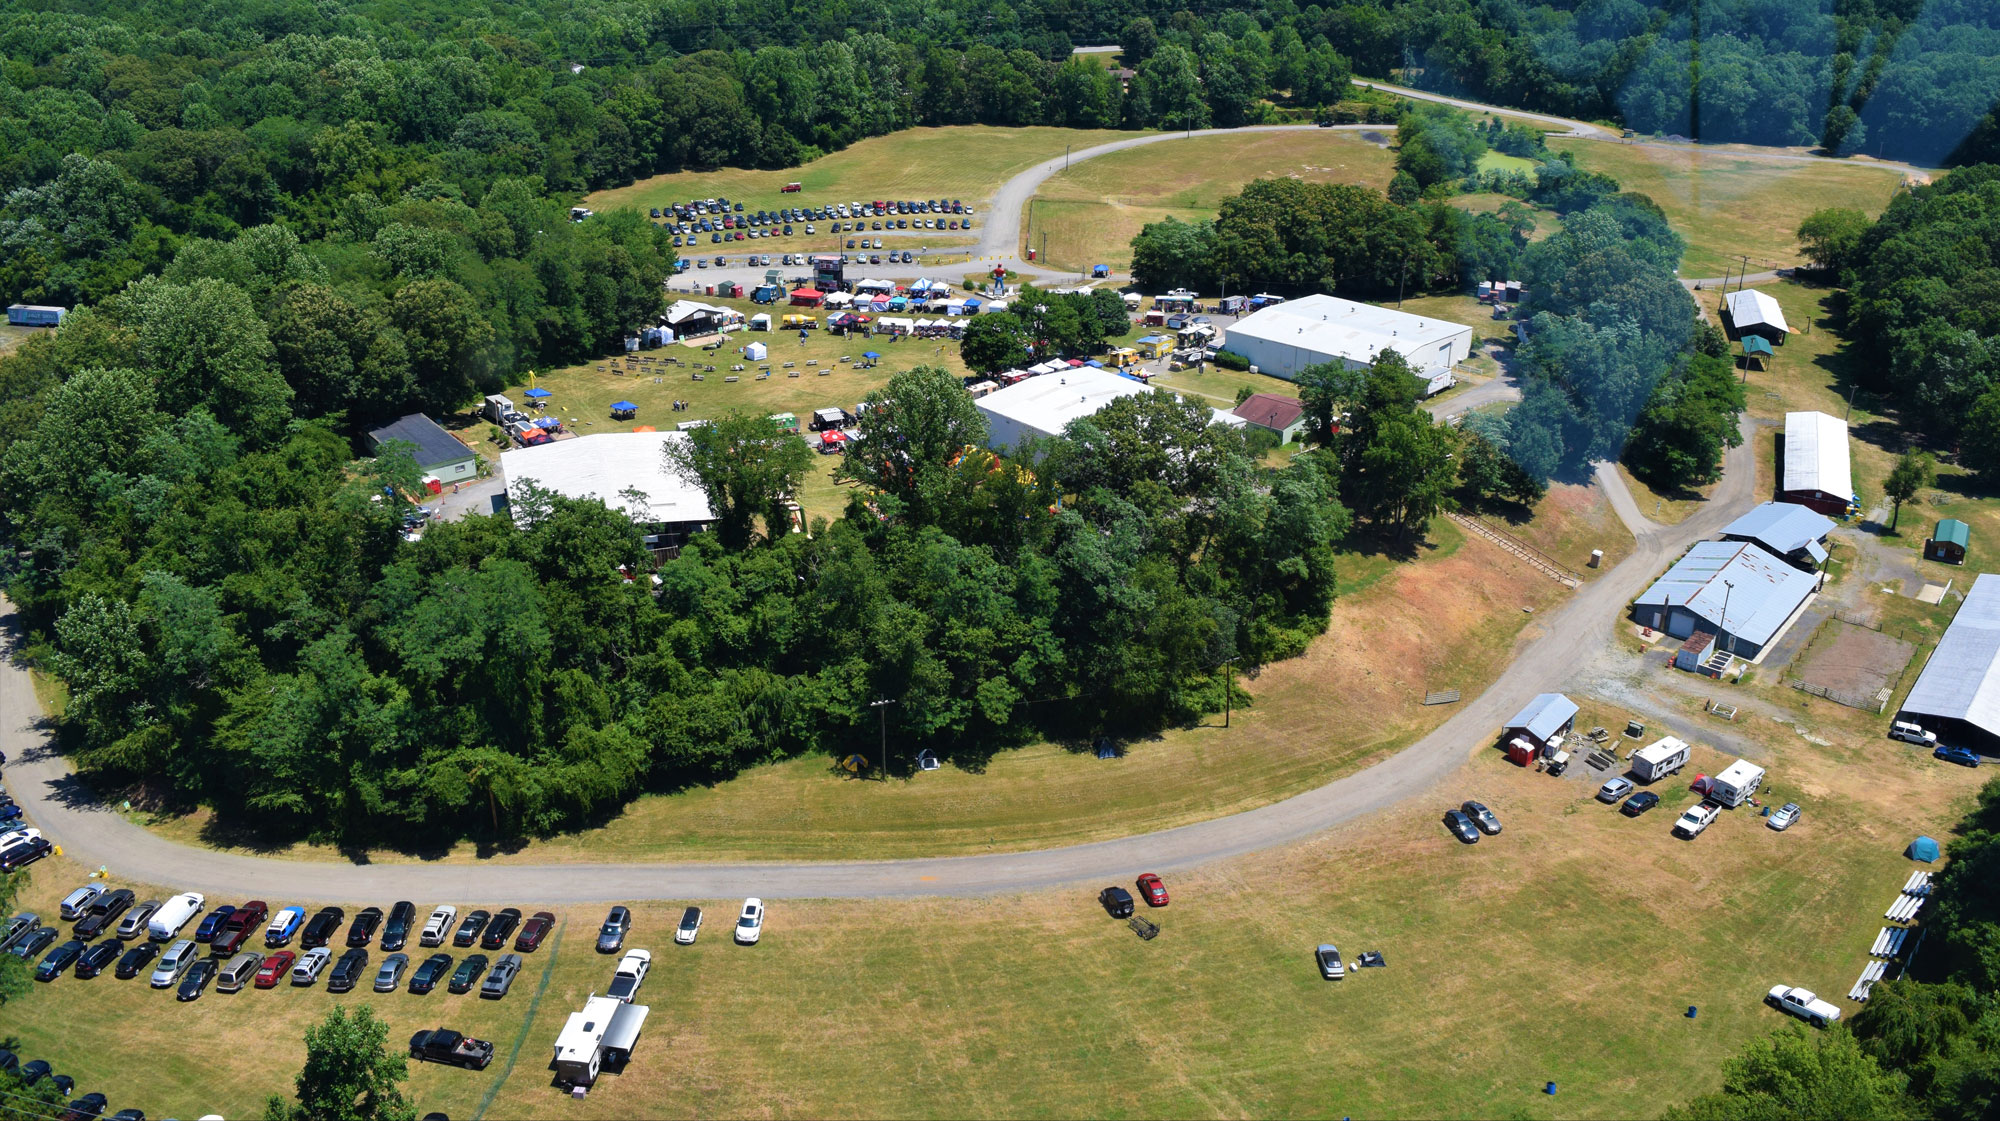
(1755, 313)
(1283, 339)
(605, 466)
(1960, 683)
(1732, 589)
(436, 451)
(1817, 470)
(1796, 533)
(1043, 406)
(1545, 717)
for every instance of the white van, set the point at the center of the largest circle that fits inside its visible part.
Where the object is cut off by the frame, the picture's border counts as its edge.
(1911, 732)
(1659, 759)
(174, 914)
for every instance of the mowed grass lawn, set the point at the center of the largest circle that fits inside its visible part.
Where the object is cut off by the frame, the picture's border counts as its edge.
(1448, 620)
(963, 162)
(1729, 204)
(1092, 211)
(1566, 949)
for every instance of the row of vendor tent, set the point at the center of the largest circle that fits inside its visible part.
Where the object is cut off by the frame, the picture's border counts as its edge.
(1053, 366)
(922, 328)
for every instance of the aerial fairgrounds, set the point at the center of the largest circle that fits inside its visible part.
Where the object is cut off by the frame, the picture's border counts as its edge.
(1658, 750)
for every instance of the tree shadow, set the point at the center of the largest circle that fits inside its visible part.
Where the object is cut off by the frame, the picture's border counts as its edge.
(1365, 541)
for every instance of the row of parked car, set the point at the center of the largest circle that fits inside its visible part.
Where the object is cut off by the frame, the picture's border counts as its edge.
(34, 1072)
(1692, 821)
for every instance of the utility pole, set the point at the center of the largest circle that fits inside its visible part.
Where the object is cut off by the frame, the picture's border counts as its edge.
(1850, 400)
(1228, 685)
(1400, 278)
(1727, 588)
(1065, 157)
(1744, 275)
(881, 706)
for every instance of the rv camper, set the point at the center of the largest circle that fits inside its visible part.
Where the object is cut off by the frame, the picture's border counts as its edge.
(1736, 784)
(604, 1033)
(1659, 759)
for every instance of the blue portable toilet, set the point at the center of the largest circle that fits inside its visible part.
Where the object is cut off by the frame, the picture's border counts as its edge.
(1924, 849)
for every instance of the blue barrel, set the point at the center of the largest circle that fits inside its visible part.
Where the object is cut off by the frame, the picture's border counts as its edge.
(1549, 1089)
(1691, 1011)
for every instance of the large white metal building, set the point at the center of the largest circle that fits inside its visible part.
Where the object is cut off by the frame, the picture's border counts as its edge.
(1817, 470)
(1042, 406)
(606, 467)
(1283, 339)
(1959, 690)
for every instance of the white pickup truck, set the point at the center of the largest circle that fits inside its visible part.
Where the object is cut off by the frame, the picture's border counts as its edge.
(1803, 1004)
(1695, 820)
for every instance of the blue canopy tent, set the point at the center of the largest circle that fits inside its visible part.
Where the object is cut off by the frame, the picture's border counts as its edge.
(624, 410)
(870, 354)
(537, 394)
(1924, 849)
(1094, 364)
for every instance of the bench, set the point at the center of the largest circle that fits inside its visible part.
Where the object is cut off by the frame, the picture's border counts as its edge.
(696, 377)
(824, 373)
(730, 378)
(763, 375)
(792, 374)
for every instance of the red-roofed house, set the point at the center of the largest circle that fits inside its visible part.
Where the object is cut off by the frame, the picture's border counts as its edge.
(1275, 413)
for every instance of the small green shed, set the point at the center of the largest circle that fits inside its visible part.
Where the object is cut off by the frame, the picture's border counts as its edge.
(1757, 352)
(1949, 542)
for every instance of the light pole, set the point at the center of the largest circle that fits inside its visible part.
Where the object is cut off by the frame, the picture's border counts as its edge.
(1727, 588)
(881, 706)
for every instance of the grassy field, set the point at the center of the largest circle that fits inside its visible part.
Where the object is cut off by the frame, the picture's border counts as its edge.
(963, 162)
(1501, 161)
(1559, 950)
(11, 337)
(1091, 212)
(1728, 205)
(1398, 630)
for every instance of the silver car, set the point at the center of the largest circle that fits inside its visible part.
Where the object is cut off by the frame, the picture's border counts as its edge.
(1782, 818)
(390, 975)
(617, 924)
(1612, 791)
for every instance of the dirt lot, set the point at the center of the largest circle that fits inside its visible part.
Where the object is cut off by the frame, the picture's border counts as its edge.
(1853, 665)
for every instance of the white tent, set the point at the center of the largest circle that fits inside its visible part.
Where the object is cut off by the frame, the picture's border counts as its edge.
(760, 322)
(996, 305)
(873, 285)
(756, 352)
(838, 299)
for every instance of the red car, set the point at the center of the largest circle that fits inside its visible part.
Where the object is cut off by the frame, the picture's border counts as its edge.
(1152, 890)
(275, 968)
(534, 930)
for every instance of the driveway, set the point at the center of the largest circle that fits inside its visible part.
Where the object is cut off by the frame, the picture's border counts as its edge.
(1569, 638)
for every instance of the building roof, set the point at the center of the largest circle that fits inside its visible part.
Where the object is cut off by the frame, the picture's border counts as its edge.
(1782, 527)
(1961, 681)
(432, 446)
(1046, 404)
(1343, 328)
(1954, 531)
(1271, 410)
(604, 465)
(1759, 346)
(1544, 716)
(1750, 308)
(1816, 455)
(680, 311)
(1765, 593)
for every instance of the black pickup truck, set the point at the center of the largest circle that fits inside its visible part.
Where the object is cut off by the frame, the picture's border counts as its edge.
(446, 1046)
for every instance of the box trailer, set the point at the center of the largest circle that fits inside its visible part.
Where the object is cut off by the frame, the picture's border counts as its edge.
(1659, 759)
(35, 315)
(1735, 785)
(601, 1035)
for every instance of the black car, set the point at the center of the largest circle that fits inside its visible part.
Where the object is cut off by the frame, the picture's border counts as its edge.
(501, 929)
(321, 929)
(1117, 901)
(86, 1108)
(9, 1061)
(469, 930)
(1461, 826)
(26, 853)
(195, 982)
(59, 960)
(136, 959)
(396, 931)
(430, 973)
(34, 1071)
(1639, 803)
(94, 959)
(363, 930)
(104, 910)
(129, 1115)
(347, 971)
(468, 973)
(33, 942)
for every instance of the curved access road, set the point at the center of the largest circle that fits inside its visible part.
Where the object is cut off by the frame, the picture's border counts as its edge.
(1567, 638)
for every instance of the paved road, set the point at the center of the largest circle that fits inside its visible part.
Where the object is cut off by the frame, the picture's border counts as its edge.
(1568, 638)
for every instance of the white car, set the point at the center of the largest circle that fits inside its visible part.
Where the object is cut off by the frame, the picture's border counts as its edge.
(1803, 1004)
(750, 924)
(16, 836)
(690, 926)
(1695, 820)
(1912, 733)
(77, 902)
(175, 962)
(309, 966)
(438, 928)
(630, 975)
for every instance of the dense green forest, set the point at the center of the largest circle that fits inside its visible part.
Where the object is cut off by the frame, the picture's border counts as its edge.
(1927, 1045)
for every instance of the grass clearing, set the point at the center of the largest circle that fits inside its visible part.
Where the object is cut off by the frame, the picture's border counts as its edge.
(1448, 620)
(1580, 936)
(11, 336)
(1730, 204)
(1501, 161)
(1091, 212)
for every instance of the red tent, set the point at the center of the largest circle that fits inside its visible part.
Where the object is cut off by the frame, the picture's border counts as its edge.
(807, 297)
